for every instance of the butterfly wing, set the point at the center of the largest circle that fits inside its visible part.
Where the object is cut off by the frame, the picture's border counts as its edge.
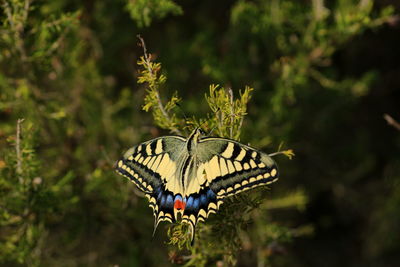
(223, 168)
(232, 167)
(152, 167)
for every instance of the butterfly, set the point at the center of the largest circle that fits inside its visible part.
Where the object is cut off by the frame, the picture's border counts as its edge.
(189, 178)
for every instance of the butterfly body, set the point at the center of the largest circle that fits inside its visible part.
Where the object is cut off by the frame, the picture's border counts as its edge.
(189, 178)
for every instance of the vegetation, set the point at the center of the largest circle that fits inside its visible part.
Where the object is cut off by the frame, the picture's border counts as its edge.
(317, 77)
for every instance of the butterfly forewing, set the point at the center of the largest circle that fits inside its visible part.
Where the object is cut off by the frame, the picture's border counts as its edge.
(232, 167)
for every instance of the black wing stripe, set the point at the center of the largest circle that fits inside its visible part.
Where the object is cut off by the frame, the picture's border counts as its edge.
(142, 150)
(243, 173)
(153, 146)
(248, 156)
(253, 177)
(236, 151)
(240, 187)
(132, 175)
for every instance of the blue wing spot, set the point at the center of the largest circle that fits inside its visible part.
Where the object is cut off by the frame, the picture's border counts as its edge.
(178, 197)
(163, 200)
(170, 200)
(189, 203)
(159, 195)
(203, 200)
(210, 194)
(199, 201)
(196, 203)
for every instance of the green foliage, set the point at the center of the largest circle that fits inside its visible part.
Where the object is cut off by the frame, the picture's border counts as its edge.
(161, 113)
(28, 42)
(144, 11)
(26, 199)
(228, 113)
(306, 44)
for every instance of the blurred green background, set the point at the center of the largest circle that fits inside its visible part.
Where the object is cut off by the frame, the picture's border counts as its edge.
(324, 74)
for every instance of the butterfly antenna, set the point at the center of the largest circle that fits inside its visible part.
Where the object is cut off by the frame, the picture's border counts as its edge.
(183, 112)
(213, 128)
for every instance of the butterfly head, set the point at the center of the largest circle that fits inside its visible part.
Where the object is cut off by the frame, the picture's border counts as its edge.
(193, 139)
(200, 132)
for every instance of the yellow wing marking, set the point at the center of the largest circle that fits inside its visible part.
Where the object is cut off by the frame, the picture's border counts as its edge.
(246, 166)
(223, 167)
(231, 168)
(241, 155)
(146, 161)
(139, 149)
(212, 169)
(203, 213)
(148, 149)
(167, 168)
(137, 157)
(201, 175)
(157, 163)
(212, 206)
(159, 147)
(253, 164)
(238, 166)
(221, 192)
(228, 151)
(150, 164)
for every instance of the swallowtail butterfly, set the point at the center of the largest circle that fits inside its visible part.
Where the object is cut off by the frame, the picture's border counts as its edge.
(192, 176)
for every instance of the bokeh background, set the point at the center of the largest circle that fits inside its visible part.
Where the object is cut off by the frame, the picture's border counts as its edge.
(324, 74)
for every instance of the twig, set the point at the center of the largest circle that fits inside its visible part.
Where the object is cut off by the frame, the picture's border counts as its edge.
(26, 10)
(18, 29)
(105, 155)
(391, 121)
(56, 44)
(18, 149)
(150, 70)
(288, 153)
(7, 10)
(232, 112)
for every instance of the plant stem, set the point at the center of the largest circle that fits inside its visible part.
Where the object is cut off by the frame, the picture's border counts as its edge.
(391, 121)
(151, 71)
(18, 150)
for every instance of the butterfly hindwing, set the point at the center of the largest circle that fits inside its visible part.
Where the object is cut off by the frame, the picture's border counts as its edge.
(199, 206)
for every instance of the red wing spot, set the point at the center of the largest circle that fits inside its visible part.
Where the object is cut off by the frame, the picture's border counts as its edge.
(179, 205)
